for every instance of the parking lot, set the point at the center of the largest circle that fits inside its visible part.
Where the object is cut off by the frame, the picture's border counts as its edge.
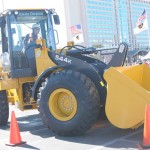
(101, 136)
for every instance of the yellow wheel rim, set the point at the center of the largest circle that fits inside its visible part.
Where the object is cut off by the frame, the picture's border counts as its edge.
(62, 104)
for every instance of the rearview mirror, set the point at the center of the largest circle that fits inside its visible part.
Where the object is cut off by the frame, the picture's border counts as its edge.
(56, 19)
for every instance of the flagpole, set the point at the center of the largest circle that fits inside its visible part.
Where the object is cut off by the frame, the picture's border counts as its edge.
(148, 31)
(148, 38)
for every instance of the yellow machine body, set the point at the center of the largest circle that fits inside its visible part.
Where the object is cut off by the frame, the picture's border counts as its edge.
(42, 59)
(14, 89)
(13, 86)
(128, 93)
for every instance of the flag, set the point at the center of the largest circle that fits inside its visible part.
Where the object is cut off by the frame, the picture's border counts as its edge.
(76, 29)
(142, 17)
(78, 38)
(142, 23)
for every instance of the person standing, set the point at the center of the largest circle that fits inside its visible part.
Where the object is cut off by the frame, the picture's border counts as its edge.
(32, 37)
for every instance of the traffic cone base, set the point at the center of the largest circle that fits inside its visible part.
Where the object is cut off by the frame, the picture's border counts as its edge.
(15, 138)
(23, 142)
(146, 134)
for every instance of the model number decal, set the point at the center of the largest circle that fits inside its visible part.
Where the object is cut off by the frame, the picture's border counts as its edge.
(61, 58)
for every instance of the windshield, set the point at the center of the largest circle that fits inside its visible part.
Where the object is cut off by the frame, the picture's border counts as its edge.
(22, 31)
(21, 25)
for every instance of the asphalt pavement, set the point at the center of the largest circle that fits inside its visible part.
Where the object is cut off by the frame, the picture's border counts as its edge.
(101, 136)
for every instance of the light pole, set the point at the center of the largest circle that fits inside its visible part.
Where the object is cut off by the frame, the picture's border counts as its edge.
(2, 4)
(125, 37)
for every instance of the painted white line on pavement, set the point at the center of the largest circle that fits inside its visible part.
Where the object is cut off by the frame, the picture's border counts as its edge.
(113, 141)
(126, 140)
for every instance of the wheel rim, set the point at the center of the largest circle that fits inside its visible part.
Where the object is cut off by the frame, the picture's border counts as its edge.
(62, 104)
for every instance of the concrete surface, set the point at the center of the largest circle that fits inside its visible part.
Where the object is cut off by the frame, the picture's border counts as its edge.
(101, 136)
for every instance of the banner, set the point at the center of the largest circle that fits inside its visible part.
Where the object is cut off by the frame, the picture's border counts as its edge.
(78, 38)
(77, 34)
(142, 23)
(76, 29)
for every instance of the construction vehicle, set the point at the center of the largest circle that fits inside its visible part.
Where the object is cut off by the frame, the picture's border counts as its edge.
(18, 71)
(69, 87)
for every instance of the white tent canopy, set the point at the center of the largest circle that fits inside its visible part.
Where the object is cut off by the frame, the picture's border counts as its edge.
(146, 56)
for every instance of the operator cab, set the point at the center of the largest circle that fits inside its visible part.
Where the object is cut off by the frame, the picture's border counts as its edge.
(14, 26)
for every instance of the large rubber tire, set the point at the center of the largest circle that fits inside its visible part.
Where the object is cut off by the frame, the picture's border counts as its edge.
(80, 100)
(4, 108)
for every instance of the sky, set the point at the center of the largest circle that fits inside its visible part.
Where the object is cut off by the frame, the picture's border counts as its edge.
(58, 5)
(32, 4)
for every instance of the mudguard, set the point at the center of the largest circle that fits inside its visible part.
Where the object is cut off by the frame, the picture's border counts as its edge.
(44, 74)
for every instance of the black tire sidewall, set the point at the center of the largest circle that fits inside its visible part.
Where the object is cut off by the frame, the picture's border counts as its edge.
(76, 87)
(4, 108)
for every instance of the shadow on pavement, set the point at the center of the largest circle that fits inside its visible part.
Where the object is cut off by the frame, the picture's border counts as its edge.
(33, 124)
(27, 146)
(102, 134)
(110, 137)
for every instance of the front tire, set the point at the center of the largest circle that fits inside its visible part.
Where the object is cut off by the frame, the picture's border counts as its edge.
(4, 108)
(69, 103)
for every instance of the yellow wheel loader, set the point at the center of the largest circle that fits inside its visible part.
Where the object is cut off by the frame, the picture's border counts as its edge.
(69, 87)
(18, 70)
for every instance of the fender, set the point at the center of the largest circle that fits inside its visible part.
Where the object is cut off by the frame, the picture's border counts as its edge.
(44, 74)
(90, 72)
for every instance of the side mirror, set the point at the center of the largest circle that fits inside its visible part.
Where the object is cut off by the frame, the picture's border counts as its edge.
(56, 19)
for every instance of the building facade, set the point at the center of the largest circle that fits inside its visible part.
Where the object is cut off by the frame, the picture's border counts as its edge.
(102, 22)
(113, 21)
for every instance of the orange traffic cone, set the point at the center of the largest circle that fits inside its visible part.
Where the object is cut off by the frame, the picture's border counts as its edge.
(146, 133)
(15, 138)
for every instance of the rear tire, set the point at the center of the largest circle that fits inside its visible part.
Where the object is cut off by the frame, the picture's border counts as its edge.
(69, 103)
(4, 108)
